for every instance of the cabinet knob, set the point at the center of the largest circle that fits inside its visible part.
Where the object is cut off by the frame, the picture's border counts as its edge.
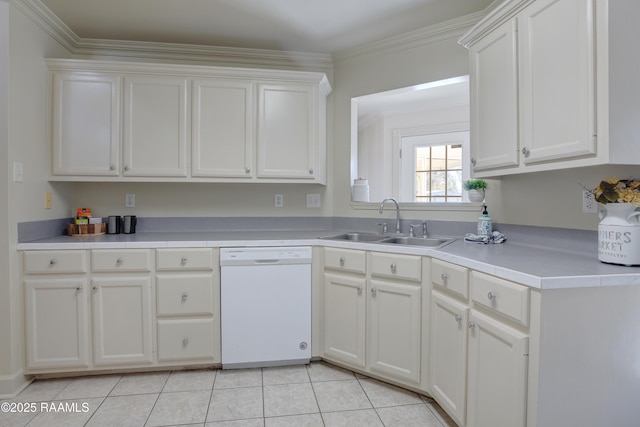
(112, 167)
(393, 268)
(525, 151)
(185, 295)
(119, 261)
(359, 288)
(491, 296)
(126, 168)
(94, 287)
(341, 261)
(473, 161)
(311, 171)
(472, 325)
(458, 318)
(185, 341)
(183, 261)
(374, 291)
(53, 261)
(444, 277)
(247, 170)
(79, 288)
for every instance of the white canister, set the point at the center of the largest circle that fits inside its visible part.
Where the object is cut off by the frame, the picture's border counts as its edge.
(360, 190)
(619, 235)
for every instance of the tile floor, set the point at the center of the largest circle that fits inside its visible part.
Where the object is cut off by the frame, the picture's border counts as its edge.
(318, 394)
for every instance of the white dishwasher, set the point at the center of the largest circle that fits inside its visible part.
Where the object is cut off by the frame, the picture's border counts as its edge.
(265, 295)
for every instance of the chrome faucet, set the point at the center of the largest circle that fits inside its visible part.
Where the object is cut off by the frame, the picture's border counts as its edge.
(412, 232)
(391, 199)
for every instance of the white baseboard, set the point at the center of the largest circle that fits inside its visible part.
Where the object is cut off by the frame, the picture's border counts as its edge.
(11, 385)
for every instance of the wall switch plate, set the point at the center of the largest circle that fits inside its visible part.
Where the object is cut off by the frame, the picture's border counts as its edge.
(589, 204)
(313, 200)
(18, 172)
(130, 200)
(48, 200)
(278, 200)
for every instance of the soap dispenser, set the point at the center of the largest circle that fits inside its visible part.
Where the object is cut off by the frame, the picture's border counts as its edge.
(485, 226)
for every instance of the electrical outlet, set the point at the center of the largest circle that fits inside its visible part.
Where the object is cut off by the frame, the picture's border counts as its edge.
(313, 200)
(18, 172)
(130, 200)
(48, 200)
(278, 200)
(589, 204)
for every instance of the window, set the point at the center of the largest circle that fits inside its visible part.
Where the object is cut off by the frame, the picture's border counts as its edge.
(433, 167)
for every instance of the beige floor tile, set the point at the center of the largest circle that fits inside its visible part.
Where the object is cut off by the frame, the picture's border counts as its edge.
(359, 418)
(285, 375)
(235, 403)
(124, 411)
(42, 390)
(92, 386)
(238, 378)
(140, 383)
(340, 395)
(190, 380)
(444, 418)
(66, 413)
(289, 399)
(185, 407)
(16, 418)
(382, 394)
(254, 422)
(324, 372)
(306, 420)
(408, 416)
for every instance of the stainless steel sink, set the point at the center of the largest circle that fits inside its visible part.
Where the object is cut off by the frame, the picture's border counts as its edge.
(431, 242)
(359, 236)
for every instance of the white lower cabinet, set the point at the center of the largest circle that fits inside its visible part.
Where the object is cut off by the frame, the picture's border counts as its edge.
(187, 306)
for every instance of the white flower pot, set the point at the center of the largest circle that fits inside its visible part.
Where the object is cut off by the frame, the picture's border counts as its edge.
(476, 195)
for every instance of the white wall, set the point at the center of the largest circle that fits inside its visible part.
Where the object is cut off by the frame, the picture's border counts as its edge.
(23, 45)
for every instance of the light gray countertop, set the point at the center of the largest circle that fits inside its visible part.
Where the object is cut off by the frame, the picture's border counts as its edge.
(535, 266)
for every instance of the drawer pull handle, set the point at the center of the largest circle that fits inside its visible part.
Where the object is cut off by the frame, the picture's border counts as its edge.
(374, 291)
(94, 287)
(79, 288)
(185, 341)
(183, 261)
(247, 170)
(393, 268)
(53, 261)
(458, 318)
(472, 325)
(185, 295)
(444, 277)
(491, 296)
(310, 171)
(359, 289)
(341, 261)
(119, 261)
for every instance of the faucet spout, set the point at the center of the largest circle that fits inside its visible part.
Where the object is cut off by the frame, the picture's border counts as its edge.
(391, 199)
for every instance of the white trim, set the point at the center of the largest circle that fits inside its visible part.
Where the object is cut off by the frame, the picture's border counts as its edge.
(12, 385)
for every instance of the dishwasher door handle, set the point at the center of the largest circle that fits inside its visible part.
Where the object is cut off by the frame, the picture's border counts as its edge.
(266, 261)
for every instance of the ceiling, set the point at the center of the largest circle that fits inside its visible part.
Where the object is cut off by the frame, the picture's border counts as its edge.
(326, 26)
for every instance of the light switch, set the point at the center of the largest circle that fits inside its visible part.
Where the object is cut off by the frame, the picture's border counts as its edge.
(18, 172)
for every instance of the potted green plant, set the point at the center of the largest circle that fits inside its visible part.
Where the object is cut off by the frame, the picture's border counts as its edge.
(476, 188)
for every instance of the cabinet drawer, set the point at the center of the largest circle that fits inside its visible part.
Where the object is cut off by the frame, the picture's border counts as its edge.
(184, 259)
(52, 262)
(130, 260)
(345, 260)
(185, 295)
(450, 277)
(185, 339)
(408, 267)
(502, 296)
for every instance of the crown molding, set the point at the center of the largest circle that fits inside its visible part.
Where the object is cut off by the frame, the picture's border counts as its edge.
(452, 29)
(496, 15)
(57, 29)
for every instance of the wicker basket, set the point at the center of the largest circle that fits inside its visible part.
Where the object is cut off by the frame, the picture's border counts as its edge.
(86, 229)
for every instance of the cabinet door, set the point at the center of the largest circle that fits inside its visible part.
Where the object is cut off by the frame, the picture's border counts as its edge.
(497, 380)
(394, 321)
(155, 126)
(344, 319)
(86, 124)
(122, 320)
(56, 323)
(288, 131)
(494, 100)
(223, 129)
(448, 355)
(557, 80)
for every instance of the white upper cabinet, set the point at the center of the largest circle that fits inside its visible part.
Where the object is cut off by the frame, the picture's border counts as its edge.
(121, 121)
(85, 124)
(543, 90)
(155, 126)
(223, 134)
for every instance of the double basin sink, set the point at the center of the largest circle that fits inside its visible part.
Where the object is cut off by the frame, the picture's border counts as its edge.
(431, 242)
